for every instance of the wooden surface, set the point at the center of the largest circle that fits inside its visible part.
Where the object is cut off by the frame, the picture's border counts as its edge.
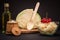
(29, 31)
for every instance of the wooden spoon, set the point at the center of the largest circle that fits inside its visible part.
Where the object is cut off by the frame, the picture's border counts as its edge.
(30, 24)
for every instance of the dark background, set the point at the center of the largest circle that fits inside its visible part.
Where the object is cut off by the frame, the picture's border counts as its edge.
(50, 6)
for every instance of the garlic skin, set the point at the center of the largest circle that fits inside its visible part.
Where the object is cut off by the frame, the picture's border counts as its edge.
(47, 28)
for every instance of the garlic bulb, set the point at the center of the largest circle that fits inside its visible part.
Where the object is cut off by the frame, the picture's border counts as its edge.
(47, 28)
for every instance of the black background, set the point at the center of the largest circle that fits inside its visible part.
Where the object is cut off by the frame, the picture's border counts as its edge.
(16, 6)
